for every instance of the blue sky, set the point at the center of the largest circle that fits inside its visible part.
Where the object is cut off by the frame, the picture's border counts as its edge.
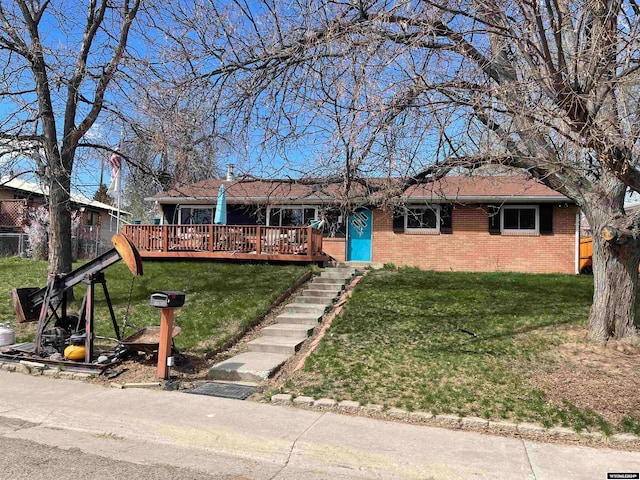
(297, 158)
(61, 35)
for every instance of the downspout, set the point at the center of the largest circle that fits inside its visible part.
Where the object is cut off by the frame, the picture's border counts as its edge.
(577, 246)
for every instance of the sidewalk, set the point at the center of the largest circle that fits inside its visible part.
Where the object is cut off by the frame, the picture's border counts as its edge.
(258, 441)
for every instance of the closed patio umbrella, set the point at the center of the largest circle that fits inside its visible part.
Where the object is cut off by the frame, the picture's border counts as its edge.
(221, 207)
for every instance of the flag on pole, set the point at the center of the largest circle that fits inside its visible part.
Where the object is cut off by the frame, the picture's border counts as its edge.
(114, 189)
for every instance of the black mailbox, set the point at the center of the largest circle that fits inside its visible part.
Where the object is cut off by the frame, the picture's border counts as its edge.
(166, 299)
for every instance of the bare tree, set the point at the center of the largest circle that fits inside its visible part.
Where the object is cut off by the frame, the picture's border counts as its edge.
(171, 142)
(418, 88)
(173, 134)
(59, 60)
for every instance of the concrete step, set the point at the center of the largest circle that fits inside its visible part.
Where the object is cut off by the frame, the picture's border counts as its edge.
(317, 300)
(332, 287)
(336, 282)
(299, 318)
(248, 367)
(305, 308)
(295, 330)
(312, 292)
(284, 345)
(341, 268)
(337, 274)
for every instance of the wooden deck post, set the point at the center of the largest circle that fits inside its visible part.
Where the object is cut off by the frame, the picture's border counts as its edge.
(258, 240)
(165, 238)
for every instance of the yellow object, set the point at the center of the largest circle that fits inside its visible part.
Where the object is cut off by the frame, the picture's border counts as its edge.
(74, 352)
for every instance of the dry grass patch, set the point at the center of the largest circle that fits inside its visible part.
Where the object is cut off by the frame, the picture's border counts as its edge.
(598, 378)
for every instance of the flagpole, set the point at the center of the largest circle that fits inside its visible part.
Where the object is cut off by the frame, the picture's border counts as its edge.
(119, 199)
(120, 177)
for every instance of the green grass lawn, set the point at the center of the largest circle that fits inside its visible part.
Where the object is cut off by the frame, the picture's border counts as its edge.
(222, 298)
(405, 339)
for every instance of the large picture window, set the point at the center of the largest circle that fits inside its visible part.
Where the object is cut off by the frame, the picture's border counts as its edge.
(196, 215)
(520, 218)
(290, 216)
(423, 218)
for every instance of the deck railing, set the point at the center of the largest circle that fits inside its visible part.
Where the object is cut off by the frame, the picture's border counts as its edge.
(247, 239)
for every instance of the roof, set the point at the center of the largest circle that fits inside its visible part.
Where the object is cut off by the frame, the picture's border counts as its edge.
(453, 188)
(42, 190)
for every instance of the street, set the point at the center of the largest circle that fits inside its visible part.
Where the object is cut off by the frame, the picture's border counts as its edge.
(27, 460)
(64, 429)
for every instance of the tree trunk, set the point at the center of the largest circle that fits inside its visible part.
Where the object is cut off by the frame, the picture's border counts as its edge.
(615, 284)
(60, 248)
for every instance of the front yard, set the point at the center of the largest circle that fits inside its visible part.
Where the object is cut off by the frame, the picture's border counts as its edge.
(495, 345)
(222, 298)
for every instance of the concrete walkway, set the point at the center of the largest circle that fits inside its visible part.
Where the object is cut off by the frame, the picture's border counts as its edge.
(246, 440)
(278, 342)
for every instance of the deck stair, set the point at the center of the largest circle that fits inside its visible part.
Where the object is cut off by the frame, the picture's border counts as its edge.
(283, 339)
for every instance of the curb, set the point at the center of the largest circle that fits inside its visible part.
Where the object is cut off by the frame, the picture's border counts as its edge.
(525, 429)
(43, 371)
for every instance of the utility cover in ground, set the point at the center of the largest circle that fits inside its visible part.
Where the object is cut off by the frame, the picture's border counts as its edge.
(224, 390)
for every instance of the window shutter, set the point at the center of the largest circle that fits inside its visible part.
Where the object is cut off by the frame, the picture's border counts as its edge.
(546, 219)
(398, 220)
(446, 212)
(494, 219)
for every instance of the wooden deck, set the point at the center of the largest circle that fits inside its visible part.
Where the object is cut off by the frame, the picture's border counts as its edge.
(239, 242)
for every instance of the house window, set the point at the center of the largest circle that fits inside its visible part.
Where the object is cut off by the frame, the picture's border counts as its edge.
(197, 215)
(334, 224)
(93, 219)
(520, 218)
(423, 218)
(290, 216)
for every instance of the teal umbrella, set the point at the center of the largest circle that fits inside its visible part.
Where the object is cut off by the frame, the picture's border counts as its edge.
(221, 207)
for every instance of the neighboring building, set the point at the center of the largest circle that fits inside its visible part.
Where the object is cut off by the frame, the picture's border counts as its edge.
(96, 220)
(461, 223)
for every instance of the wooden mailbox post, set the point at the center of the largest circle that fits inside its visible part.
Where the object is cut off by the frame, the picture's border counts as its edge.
(167, 301)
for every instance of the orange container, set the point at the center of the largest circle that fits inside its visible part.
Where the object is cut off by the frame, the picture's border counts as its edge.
(586, 254)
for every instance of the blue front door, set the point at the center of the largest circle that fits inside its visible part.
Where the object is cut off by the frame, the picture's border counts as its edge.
(359, 236)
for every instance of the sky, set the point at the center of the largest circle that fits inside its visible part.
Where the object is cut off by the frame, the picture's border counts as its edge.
(61, 33)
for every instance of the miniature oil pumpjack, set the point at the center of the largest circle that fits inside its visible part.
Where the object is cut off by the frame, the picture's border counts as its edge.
(49, 303)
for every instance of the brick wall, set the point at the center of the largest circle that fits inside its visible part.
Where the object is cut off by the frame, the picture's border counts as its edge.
(471, 248)
(335, 247)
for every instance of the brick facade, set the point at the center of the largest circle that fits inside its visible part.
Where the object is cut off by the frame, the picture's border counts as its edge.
(335, 248)
(471, 248)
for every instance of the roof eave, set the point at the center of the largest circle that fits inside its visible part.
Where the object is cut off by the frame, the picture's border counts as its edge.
(239, 200)
(490, 198)
(306, 200)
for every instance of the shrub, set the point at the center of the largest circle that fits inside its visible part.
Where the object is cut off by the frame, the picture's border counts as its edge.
(37, 230)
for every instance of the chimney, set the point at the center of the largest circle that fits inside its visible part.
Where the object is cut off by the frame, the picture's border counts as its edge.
(230, 176)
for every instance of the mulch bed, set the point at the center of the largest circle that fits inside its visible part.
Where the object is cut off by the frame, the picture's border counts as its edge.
(601, 378)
